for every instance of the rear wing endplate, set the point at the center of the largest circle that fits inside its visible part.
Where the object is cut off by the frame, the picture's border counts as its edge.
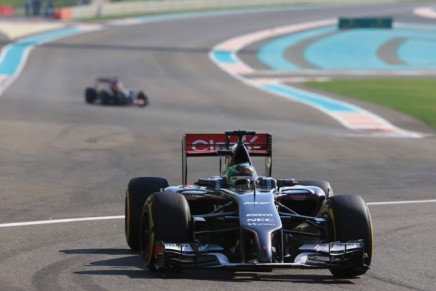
(220, 144)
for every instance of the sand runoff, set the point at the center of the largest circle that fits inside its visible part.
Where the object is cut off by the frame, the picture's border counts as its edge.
(17, 29)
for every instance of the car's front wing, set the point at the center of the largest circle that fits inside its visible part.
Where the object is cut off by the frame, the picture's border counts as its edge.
(315, 256)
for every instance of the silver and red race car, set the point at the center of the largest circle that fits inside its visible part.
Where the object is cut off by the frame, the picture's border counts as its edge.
(111, 91)
(241, 220)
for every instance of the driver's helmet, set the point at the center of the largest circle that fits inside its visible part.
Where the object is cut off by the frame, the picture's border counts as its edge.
(115, 86)
(237, 172)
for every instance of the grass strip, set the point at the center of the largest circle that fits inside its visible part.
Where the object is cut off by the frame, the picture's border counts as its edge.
(415, 96)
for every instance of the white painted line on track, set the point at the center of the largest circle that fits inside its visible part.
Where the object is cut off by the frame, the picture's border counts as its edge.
(400, 202)
(52, 221)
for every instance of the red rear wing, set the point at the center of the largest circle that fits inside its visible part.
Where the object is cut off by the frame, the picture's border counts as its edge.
(210, 144)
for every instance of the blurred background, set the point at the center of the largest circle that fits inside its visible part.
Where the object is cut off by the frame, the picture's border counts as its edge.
(86, 9)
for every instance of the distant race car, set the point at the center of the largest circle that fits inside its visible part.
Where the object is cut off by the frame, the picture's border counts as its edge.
(240, 220)
(110, 91)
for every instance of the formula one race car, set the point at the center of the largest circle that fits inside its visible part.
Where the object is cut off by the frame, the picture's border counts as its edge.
(240, 220)
(110, 91)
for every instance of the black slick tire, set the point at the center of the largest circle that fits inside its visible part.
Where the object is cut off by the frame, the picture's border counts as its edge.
(142, 96)
(165, 217)
(138, 190)
(350, 220)
(90, 95)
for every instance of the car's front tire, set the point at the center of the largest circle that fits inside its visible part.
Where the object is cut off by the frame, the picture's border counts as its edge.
(165, 217)
(137, 192)
(90, 95)
(350, 220)
(141, 96)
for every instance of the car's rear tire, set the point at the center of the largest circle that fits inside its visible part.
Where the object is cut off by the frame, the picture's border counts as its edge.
(90, 95)
(137, 192)
(165, 217)
(105, 97)
(324, 185)
(350, 220)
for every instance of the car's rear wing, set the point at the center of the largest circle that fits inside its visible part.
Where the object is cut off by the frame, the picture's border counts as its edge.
(219, 144)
